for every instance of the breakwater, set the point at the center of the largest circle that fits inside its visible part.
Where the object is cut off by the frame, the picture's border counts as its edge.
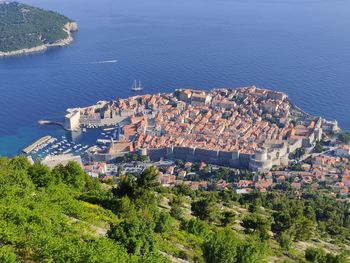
(36, 144)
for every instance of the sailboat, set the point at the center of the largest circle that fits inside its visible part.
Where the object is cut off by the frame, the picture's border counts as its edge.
(137, 86)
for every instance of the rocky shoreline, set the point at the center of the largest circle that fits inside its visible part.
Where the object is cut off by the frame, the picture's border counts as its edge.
(69, 28)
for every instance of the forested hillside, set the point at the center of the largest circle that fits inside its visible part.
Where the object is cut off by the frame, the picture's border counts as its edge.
(23, 26)
(63, 215)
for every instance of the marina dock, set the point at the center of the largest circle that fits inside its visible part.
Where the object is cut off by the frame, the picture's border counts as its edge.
(36, 144)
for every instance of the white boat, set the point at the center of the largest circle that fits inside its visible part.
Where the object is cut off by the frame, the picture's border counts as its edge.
(137, 86)
(108, 129)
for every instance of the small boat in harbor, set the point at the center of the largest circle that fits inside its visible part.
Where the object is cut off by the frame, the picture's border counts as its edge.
(109, 129)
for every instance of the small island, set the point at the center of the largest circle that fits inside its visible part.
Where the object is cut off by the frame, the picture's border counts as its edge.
(25, 29)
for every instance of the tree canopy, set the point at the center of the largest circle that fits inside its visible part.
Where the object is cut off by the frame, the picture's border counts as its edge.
(23, 26)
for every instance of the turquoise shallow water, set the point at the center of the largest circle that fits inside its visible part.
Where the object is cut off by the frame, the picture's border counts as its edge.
(297, 46)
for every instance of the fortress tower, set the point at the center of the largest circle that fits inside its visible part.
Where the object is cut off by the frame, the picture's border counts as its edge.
(260, 161)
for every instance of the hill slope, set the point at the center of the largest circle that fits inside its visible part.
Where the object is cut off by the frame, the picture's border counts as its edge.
(63, 215)
(24, 28)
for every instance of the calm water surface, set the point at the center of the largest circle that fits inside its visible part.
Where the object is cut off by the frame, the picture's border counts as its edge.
(297, 46)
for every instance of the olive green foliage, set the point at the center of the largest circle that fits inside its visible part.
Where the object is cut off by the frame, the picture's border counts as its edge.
(220, 247)
(317, 255)
(134, 187)
(255, 223)
(285, 240)
(63, 215)
(197, 227)
(223, 246)
(40, 175)
(205, 208)
(135, 235)
(23, 26)
(296, 219)
(163, 222)
(227, 218)
(7, 255)
(72, 175)
(44, 222)
(176, 210)
(147, 179)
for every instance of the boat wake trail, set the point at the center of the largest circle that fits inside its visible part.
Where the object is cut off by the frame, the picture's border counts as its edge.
(104, 61)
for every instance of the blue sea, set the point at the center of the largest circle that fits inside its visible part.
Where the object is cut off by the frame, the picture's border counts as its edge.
(301, 47)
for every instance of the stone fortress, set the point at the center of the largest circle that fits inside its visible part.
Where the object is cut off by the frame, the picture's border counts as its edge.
(245, 127)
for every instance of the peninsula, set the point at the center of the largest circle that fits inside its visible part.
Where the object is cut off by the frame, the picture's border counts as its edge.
(248, 127)
(25, 29)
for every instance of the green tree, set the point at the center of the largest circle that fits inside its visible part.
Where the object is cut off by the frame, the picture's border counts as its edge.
(220, 247)
(227, 218)
(134, 235)
(340, 258)
(255, 205)
(257, 224)
(40, 174)
(205, 208)
(163, 223)
(176, 212)
(249, 252)
(71, 174)
(183, 189)
(315, 255)
(20, 163)
(127, 186)
(304, 229)
(285, 240)
(197, 227)
(125, 208)
(7, 255)
(148, 178)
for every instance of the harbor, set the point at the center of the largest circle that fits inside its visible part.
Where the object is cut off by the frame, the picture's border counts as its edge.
(37, 144)
(73, 143)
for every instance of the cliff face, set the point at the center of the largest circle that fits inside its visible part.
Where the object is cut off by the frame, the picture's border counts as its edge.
(69, 28)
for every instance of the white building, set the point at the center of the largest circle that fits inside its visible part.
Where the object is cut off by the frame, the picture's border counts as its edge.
(64, 159)
(72, 119)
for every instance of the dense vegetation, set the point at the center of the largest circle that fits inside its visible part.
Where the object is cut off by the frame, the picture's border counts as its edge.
(62, 215)
(23, 26)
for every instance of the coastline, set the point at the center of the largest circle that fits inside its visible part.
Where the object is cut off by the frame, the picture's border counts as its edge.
(70, 27)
